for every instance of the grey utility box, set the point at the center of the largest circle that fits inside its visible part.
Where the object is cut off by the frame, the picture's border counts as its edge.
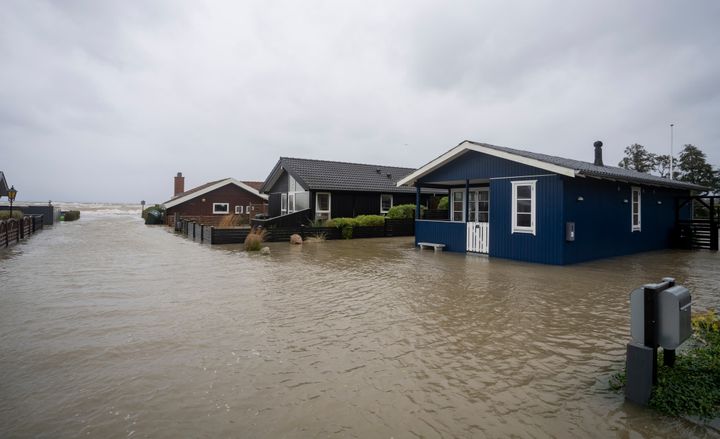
(570, 231)
(673, 317)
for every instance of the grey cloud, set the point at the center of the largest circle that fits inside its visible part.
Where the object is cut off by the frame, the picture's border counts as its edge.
(106, 101)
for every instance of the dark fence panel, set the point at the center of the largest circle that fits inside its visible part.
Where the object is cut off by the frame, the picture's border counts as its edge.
(229, 236)
(696, 234)
(436, 214)
(291, 220)
(237, 235)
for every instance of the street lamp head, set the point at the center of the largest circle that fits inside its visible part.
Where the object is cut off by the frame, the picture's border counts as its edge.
(12, 192)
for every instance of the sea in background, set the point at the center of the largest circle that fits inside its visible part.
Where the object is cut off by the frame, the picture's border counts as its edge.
(111, 328)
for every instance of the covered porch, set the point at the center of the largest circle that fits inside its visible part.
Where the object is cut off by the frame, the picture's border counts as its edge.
(464, 226)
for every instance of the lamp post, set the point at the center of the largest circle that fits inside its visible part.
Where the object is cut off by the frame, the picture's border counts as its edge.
(12, 192)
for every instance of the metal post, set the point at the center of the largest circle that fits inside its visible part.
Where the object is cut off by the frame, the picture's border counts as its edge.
(417, 202)
(467, 198)
(713, 226)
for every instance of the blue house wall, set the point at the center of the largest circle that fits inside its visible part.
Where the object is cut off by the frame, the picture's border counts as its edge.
(545, 246)
(603, 226)
(476, 165)
(602, 219)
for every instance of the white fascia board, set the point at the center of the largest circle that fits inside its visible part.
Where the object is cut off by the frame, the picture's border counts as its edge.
(217, 185)
(468, 146)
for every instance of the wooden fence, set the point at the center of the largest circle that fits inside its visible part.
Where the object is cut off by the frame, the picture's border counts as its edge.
(237, 235)
(13, 230)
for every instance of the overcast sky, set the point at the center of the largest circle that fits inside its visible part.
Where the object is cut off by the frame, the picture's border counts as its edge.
(107, 100)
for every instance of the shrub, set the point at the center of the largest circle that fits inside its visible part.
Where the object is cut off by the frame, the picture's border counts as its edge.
(443, 203)
(233, 220)
(5, 214)
(370, 220)
(341, 223)
(154, 214)
(347, 232)
(321, 223)
(71, 215)
(401, 211)
(254, 240)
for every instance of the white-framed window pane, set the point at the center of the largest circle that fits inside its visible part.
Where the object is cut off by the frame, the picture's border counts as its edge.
(322, 216)
(386, 202)
(524, 220)
(458, 205)
(283, 203)
(247, 209)
(524, 192)
(635, 214)
(523, 207)
(238, 210)
(323, 202)
(221, 208)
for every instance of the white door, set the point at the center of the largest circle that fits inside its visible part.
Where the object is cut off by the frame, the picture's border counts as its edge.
(478, 225)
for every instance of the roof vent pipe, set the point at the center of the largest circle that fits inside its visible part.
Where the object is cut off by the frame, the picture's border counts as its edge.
(598, 153)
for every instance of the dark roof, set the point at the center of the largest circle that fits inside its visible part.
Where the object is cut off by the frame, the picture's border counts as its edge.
(254, 184)
(591, 170)
(340, 176)
(3, 185)
(198, 188)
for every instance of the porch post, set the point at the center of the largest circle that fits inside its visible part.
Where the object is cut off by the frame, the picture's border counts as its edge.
(467, 197)
(417, 202)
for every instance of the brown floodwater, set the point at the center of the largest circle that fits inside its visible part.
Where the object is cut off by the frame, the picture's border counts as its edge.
(110, 328)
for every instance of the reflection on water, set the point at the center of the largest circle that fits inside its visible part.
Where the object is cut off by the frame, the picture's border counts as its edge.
(114, 329)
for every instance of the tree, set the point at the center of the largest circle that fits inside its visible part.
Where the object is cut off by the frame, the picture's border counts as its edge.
(694, 168)
(661, 165)
(638, 159)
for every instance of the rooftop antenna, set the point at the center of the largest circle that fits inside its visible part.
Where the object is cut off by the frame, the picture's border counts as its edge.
(672, 125)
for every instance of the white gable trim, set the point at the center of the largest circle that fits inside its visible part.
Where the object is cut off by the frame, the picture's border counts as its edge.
(211, 188)
(468, 146)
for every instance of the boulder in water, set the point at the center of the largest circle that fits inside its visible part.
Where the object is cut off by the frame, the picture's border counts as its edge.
(296, 239)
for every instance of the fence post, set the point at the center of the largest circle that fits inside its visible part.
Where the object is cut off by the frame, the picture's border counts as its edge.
(713, 226)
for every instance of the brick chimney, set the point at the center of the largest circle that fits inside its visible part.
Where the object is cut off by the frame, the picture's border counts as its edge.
(598, 153)
(179, 184)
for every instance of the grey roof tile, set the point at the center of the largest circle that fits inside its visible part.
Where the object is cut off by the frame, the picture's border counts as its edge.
(592, 170)
(342, 176)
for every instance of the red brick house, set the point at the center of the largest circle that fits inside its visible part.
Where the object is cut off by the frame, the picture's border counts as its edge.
(209, 202)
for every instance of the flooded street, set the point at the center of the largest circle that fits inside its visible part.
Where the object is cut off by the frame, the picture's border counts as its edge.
(110, 328)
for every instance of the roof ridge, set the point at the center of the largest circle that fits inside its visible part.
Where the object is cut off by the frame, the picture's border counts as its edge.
(346, 163)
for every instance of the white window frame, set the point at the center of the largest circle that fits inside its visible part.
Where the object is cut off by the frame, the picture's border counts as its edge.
(633, 227)
(291, 202)
(392, 201)
(238, 210)
(329, 209)
(224, 212)
(283, 203)
(247, 209)
(533, 197)
(452, 205)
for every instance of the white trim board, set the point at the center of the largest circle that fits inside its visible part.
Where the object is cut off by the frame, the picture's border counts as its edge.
(211, 188)
(469, 146)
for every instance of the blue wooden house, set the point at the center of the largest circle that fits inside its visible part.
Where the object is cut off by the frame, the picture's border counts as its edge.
(526, 206)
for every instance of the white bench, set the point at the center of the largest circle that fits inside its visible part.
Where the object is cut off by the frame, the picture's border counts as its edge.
(435, 247)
